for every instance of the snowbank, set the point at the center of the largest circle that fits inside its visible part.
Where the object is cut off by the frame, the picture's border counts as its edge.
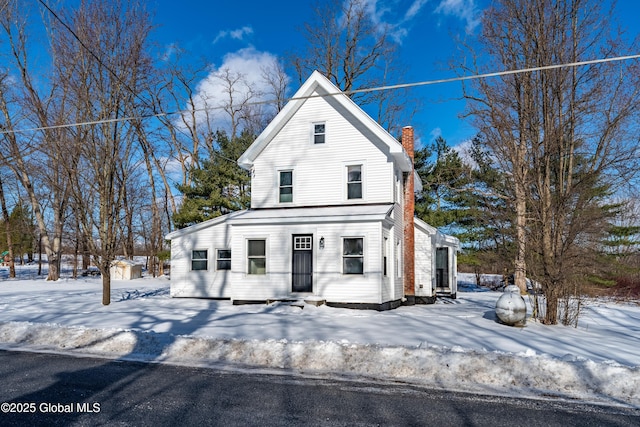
(454, 344)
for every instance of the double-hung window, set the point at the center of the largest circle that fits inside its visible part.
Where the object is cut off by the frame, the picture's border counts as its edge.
(354, 182)
(319, 133)
(223, 259)
(353, 255)
(257, 256)
(199, 260)
(285, 186)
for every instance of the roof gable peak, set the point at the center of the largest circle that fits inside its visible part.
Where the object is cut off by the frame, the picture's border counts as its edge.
(317, 85)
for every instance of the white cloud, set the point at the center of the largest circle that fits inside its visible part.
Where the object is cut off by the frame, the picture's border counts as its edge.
(464, 150)
(397, 16)
(435, 132)
(389, 15)
(465, 10)
(169, 51)
(414, 9)
(212, 92)
(237, 34)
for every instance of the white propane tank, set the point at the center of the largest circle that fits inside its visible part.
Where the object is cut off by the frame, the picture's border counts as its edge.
(510, 307)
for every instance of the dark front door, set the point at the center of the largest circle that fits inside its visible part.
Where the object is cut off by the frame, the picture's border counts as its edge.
(442, 268)
(302, 280)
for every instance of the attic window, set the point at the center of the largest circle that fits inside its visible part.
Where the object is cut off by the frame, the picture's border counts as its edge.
(318, 133)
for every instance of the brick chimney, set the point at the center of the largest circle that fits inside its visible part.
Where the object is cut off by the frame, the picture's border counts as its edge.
(409, 209)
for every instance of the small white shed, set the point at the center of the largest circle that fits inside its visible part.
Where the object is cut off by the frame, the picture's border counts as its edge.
(124, 269)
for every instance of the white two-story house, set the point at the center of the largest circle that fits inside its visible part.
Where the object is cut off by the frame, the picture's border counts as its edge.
(331, 217)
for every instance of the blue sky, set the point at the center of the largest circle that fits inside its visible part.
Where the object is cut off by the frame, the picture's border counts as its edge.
(244, 33)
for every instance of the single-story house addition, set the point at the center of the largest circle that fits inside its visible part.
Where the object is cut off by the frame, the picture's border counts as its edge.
(331, 217)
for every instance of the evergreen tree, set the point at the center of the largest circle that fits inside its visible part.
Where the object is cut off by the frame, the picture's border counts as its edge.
(22, 228)
(219, 185)
(488, 227)
(443, 200)
(622, 240)
(459, 197)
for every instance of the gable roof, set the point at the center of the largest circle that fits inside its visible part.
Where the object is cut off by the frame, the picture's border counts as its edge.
(318, 85)
(202, 225)
(441, 238)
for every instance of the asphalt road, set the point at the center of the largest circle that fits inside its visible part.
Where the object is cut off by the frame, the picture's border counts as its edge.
(44, 389)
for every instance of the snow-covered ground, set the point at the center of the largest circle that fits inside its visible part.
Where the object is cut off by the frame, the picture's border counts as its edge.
(453, 344)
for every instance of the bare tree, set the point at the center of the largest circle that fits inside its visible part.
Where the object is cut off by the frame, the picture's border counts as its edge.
(354, 52)
(103, 72)
(152, 223)
(565, 136)
(277, 81)
(35, 158)
(186, 134)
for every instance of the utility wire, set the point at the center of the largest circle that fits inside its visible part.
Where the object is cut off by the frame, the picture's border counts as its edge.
(96, 57)
(374, 89)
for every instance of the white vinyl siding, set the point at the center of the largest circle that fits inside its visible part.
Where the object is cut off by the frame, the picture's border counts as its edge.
(425, 262)
(395, 258)
(329, 281)
(385, 256)
(210, 283)
(320, 176)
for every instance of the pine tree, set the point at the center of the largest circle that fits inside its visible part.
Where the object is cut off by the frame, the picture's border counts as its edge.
(443, 201)
(219, 186)
(21, 226)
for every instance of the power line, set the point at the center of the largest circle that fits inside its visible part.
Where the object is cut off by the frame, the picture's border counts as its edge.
(499, 73)
(374, 89)
(96, 57)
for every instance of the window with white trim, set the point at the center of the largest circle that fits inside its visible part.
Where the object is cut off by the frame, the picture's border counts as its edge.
(285, 186)
(257, 256)
(319, 134)
(223, 259)
(354, 182)
(385, 250)
(199, 260)
(353, 255)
